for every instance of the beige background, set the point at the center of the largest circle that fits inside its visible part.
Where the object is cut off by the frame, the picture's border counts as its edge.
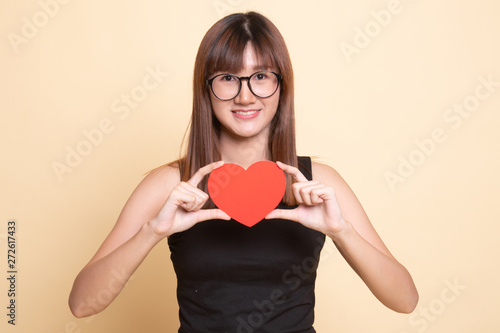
(361, 113)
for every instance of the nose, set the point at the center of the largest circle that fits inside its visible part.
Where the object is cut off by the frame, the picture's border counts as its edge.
(245, 96)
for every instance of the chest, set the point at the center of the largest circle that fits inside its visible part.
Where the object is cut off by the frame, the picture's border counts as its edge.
(227, 250)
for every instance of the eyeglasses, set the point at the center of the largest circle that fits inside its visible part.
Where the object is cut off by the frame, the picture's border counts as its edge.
(262, 84)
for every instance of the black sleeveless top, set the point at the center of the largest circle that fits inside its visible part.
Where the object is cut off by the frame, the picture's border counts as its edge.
(236, 279)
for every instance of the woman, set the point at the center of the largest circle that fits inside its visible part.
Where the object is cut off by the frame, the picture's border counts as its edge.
(232, 278)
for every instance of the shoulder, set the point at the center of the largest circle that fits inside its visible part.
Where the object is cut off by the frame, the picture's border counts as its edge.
(349, 204)
(346, 198)
(152, 192)
(143, 204)
(159, 181)
(168, 173)
(326, 174)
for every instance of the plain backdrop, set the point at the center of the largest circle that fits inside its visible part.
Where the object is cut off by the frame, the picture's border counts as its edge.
(401, 97)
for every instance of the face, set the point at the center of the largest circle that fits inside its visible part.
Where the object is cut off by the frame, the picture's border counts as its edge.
(246, 115)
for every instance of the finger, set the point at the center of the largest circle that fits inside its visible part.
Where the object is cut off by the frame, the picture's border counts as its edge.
(297, 175)
(317, 195)
(211, 214)
(202, 172)
(196, 205)
(323, 193)
(287, 214)
(307, 191)
(188, 188)
(315, 198)
(297, 189)
(188, 201)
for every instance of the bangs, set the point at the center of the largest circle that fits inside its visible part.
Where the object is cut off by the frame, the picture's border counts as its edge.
(226, 54)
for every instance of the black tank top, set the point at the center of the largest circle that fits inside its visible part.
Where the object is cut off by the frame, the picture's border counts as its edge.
(236, 279)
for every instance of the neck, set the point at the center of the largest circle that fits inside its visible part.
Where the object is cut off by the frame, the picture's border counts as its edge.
(244, 151)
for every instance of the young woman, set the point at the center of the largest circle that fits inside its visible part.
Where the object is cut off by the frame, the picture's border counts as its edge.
(232, 278)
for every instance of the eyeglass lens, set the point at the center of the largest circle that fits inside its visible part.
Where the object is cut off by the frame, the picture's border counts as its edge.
(262, 84)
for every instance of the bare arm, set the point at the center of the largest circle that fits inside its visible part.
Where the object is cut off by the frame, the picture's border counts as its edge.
(330, 206)
(159, 207)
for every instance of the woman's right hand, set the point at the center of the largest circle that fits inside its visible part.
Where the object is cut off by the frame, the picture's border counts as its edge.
(182, 208)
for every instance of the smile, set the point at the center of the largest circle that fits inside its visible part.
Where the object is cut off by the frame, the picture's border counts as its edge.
(246, 113)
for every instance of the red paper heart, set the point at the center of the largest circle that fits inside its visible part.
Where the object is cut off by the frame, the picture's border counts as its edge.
(247, 195)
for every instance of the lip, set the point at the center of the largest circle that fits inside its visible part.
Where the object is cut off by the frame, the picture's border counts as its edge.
(251, 113)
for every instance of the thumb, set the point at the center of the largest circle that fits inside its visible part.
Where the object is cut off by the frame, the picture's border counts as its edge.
(211, 214)
(287, 214)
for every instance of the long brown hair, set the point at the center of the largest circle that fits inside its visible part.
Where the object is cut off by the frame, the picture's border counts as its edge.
(222, 50)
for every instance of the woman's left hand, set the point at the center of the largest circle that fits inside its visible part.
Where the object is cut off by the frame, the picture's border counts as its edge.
(318, 207)
(359, 244)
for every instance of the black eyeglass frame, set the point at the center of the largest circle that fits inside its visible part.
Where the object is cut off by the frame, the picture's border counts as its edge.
(209, 83)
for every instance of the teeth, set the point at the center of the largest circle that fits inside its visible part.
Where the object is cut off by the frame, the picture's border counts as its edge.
(246, 113)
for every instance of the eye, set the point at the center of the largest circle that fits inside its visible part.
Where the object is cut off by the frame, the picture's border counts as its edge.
(261, 76)
(227, 78)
